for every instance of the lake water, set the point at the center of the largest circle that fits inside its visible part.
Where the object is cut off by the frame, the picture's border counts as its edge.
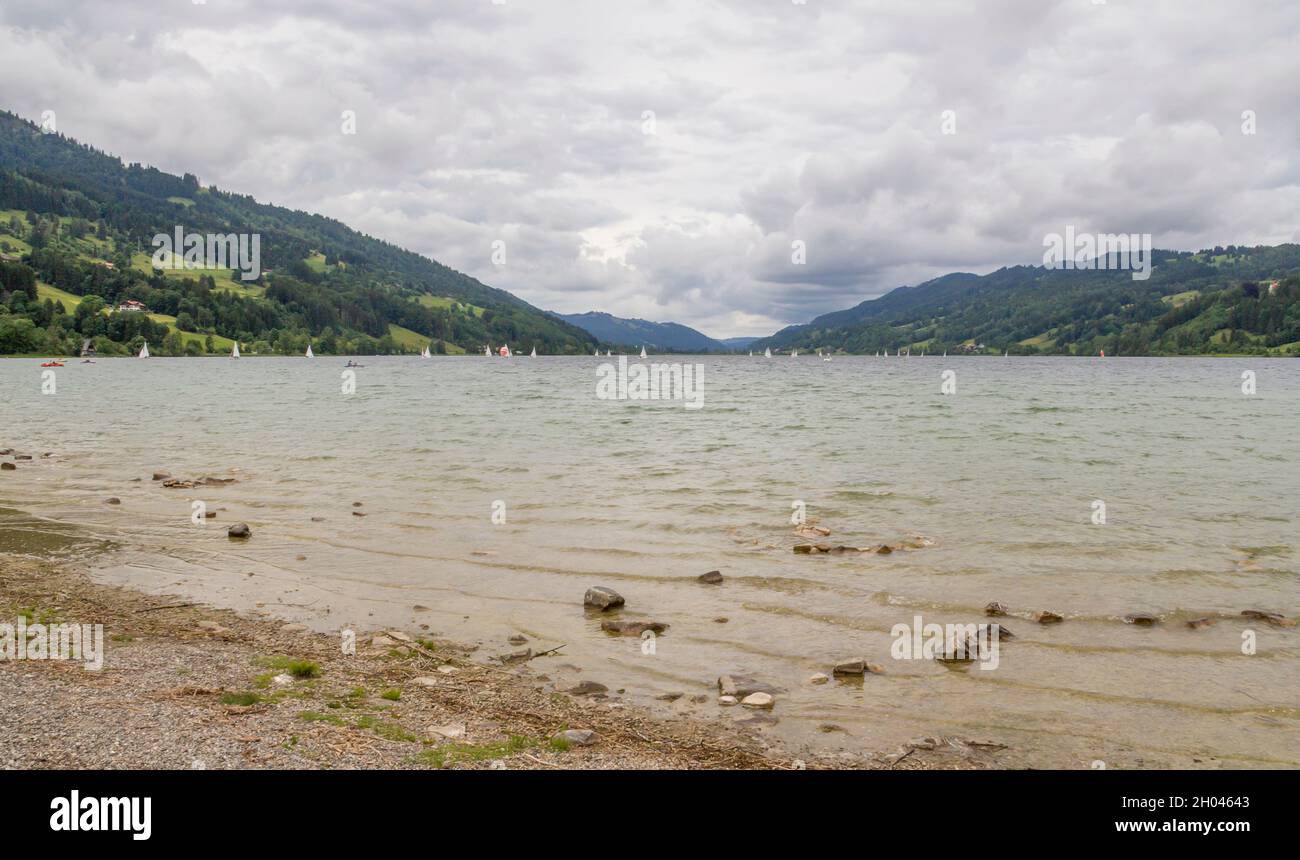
(1199, 483)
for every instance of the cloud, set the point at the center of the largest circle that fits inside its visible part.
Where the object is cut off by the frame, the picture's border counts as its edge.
(658, 158)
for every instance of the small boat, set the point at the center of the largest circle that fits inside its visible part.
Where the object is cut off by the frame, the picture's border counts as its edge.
(87, 361)
(54, 363)
(826, 357)
(1102, 354)
(309, 353)
(751, 353)
(352, 363)
(144, 350)
(424, 353)
(234, 351)
(643, 352)
(767, 353)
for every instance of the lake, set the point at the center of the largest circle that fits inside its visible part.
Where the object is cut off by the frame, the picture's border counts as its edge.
(495, 492)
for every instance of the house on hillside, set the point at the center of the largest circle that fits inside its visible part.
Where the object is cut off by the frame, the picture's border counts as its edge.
(105, 264)
(1272, 287)
(7, 258)
(132, 306)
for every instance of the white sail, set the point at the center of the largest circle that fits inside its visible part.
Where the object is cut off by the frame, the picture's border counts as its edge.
(751, 353)
(487, 351)
(234, 351)
(945, 353)
(533, 354)
(608, 353)
(643, 352)
(309, 353)
(794, 353)
(144, 350)
(767, 353)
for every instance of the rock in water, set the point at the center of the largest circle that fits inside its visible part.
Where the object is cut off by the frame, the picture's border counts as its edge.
(1275, 618)
(633, 628)
(995, 609)
(1142, 619)
(727, 701)
(161, 476)
(713, 577)
(758, 700)
(240, 530)
(852, 667)
(587, 688)
(1198, 623)
(602, 598)
(819, 678)
(1045, 617)
(112, 500)
(8, 467)
(741, 686)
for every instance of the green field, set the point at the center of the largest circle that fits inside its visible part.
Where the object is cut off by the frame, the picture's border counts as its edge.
(70, 303)
(444, 302)
(1180, 299)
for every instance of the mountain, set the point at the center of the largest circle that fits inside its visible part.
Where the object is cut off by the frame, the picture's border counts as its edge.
(633, 332)
(76, 243)
(737, 342)
(1234, 299)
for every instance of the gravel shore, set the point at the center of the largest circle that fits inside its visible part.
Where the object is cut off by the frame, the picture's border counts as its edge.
(186, 686)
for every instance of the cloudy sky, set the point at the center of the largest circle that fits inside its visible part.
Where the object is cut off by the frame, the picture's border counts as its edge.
(659, 158)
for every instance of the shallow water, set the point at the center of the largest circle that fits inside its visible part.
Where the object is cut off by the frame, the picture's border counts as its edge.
(1199, 484)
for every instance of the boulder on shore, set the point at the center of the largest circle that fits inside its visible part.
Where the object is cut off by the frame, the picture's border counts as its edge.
(577, 737)
(602, 598)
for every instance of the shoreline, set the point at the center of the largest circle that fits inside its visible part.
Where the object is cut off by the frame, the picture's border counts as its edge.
(189, 686)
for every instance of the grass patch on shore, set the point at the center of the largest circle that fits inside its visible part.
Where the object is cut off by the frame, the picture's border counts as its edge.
(386, 730)
(318, 717)
(244, 699)
(297, 668)
(391, 695)
(457, 753)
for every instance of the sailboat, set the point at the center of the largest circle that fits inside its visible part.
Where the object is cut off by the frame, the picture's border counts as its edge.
(309, 353)
(487, 351)
(945, 353)
(767, 353)
(608, 354)
(794, 353)
(643, 352)
(1006, 353)
(533, 354)
(424, 353)
(504, 352)
(234, 350)
(144, 350)
(826, 357)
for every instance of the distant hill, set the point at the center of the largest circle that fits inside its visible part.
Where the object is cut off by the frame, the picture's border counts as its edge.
(76, 229)
(737, 342)
(1216, 301)
(652, 335)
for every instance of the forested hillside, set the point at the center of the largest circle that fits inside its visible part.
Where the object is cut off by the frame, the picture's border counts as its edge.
(76, 227)
(1226, 300)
